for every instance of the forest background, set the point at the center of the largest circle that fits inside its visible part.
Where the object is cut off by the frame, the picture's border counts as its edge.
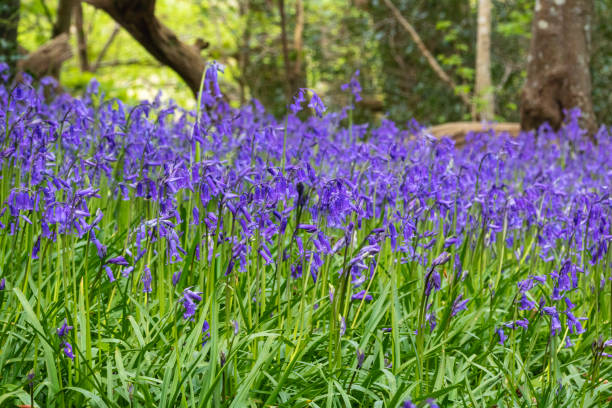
(324, 43)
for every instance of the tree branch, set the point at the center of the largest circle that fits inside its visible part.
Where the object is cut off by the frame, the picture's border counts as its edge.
(105, 48)
(137, 17)
(428, 56)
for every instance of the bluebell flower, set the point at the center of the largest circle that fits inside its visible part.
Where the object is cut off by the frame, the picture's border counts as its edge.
(64, 329)
(526, 304)
(189, 302)
(118, 260)
(317, 104)
(354, 86)
(441, 259)
(362, 295)
(308, 228)
(459, 304)
(176, 276)
(360, 358)
(109, 273)
(205, 333)
(298, 99)
(502, 335)
(146, 280)
(67, 347)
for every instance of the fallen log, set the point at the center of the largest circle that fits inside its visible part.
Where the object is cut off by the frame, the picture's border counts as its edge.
(47, 58)
(458, 130)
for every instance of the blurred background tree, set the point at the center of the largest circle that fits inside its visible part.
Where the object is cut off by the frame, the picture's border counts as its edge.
(272, 47)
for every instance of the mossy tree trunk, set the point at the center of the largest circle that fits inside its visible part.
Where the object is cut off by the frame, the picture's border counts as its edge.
(558, 76)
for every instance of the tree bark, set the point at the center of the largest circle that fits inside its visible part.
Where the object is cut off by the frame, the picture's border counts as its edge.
(60, 28)
(64, 14)
(137, 17)
(48, 58)
(558, 76)
(459, 130)
(81, 39)
(9, 22)
(298, 46)
(483, 106)
(283, 21)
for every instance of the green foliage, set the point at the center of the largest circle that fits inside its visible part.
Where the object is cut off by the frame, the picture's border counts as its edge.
(339, 38)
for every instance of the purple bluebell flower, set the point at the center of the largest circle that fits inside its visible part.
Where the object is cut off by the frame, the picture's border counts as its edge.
(526, 304)
(525, 285)
(434, 282)
(362, 295)
(360, 358)
(354, 86)
(459, 304)
(441, 259)
(342, 326)
(109, 273)
(296, 106)
(308, 228)
(575, 327)
(118, 260)
(2, 283)
(555, 323)
(502, 335)
(67, 347)
(393, 236)
(36, 248)
(524, 323)
(176, 276)
(408, 404)
(317, 104)
(432, 403)
(190, 300)
(146, 280)
(205, 333)
(63, 330)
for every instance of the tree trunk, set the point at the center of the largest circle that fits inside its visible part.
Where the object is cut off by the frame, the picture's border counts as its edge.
(81, 39)
(137, 17)
(61, 27)
(283, 22)
(62, 22)
(483, 107)
(558, 75)
(9, 22)
(298, 46)
(244, 48)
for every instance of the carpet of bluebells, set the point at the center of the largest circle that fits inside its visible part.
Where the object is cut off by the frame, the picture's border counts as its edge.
(153, 256)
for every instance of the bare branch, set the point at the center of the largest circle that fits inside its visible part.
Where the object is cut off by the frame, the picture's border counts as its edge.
(106, 47)
(428, 56)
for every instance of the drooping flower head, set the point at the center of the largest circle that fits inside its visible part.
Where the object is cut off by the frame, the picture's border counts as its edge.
(64, 329)
(354, 86)
(190, 300)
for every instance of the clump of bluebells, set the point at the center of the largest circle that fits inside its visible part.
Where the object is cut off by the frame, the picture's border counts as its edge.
(156, 230)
